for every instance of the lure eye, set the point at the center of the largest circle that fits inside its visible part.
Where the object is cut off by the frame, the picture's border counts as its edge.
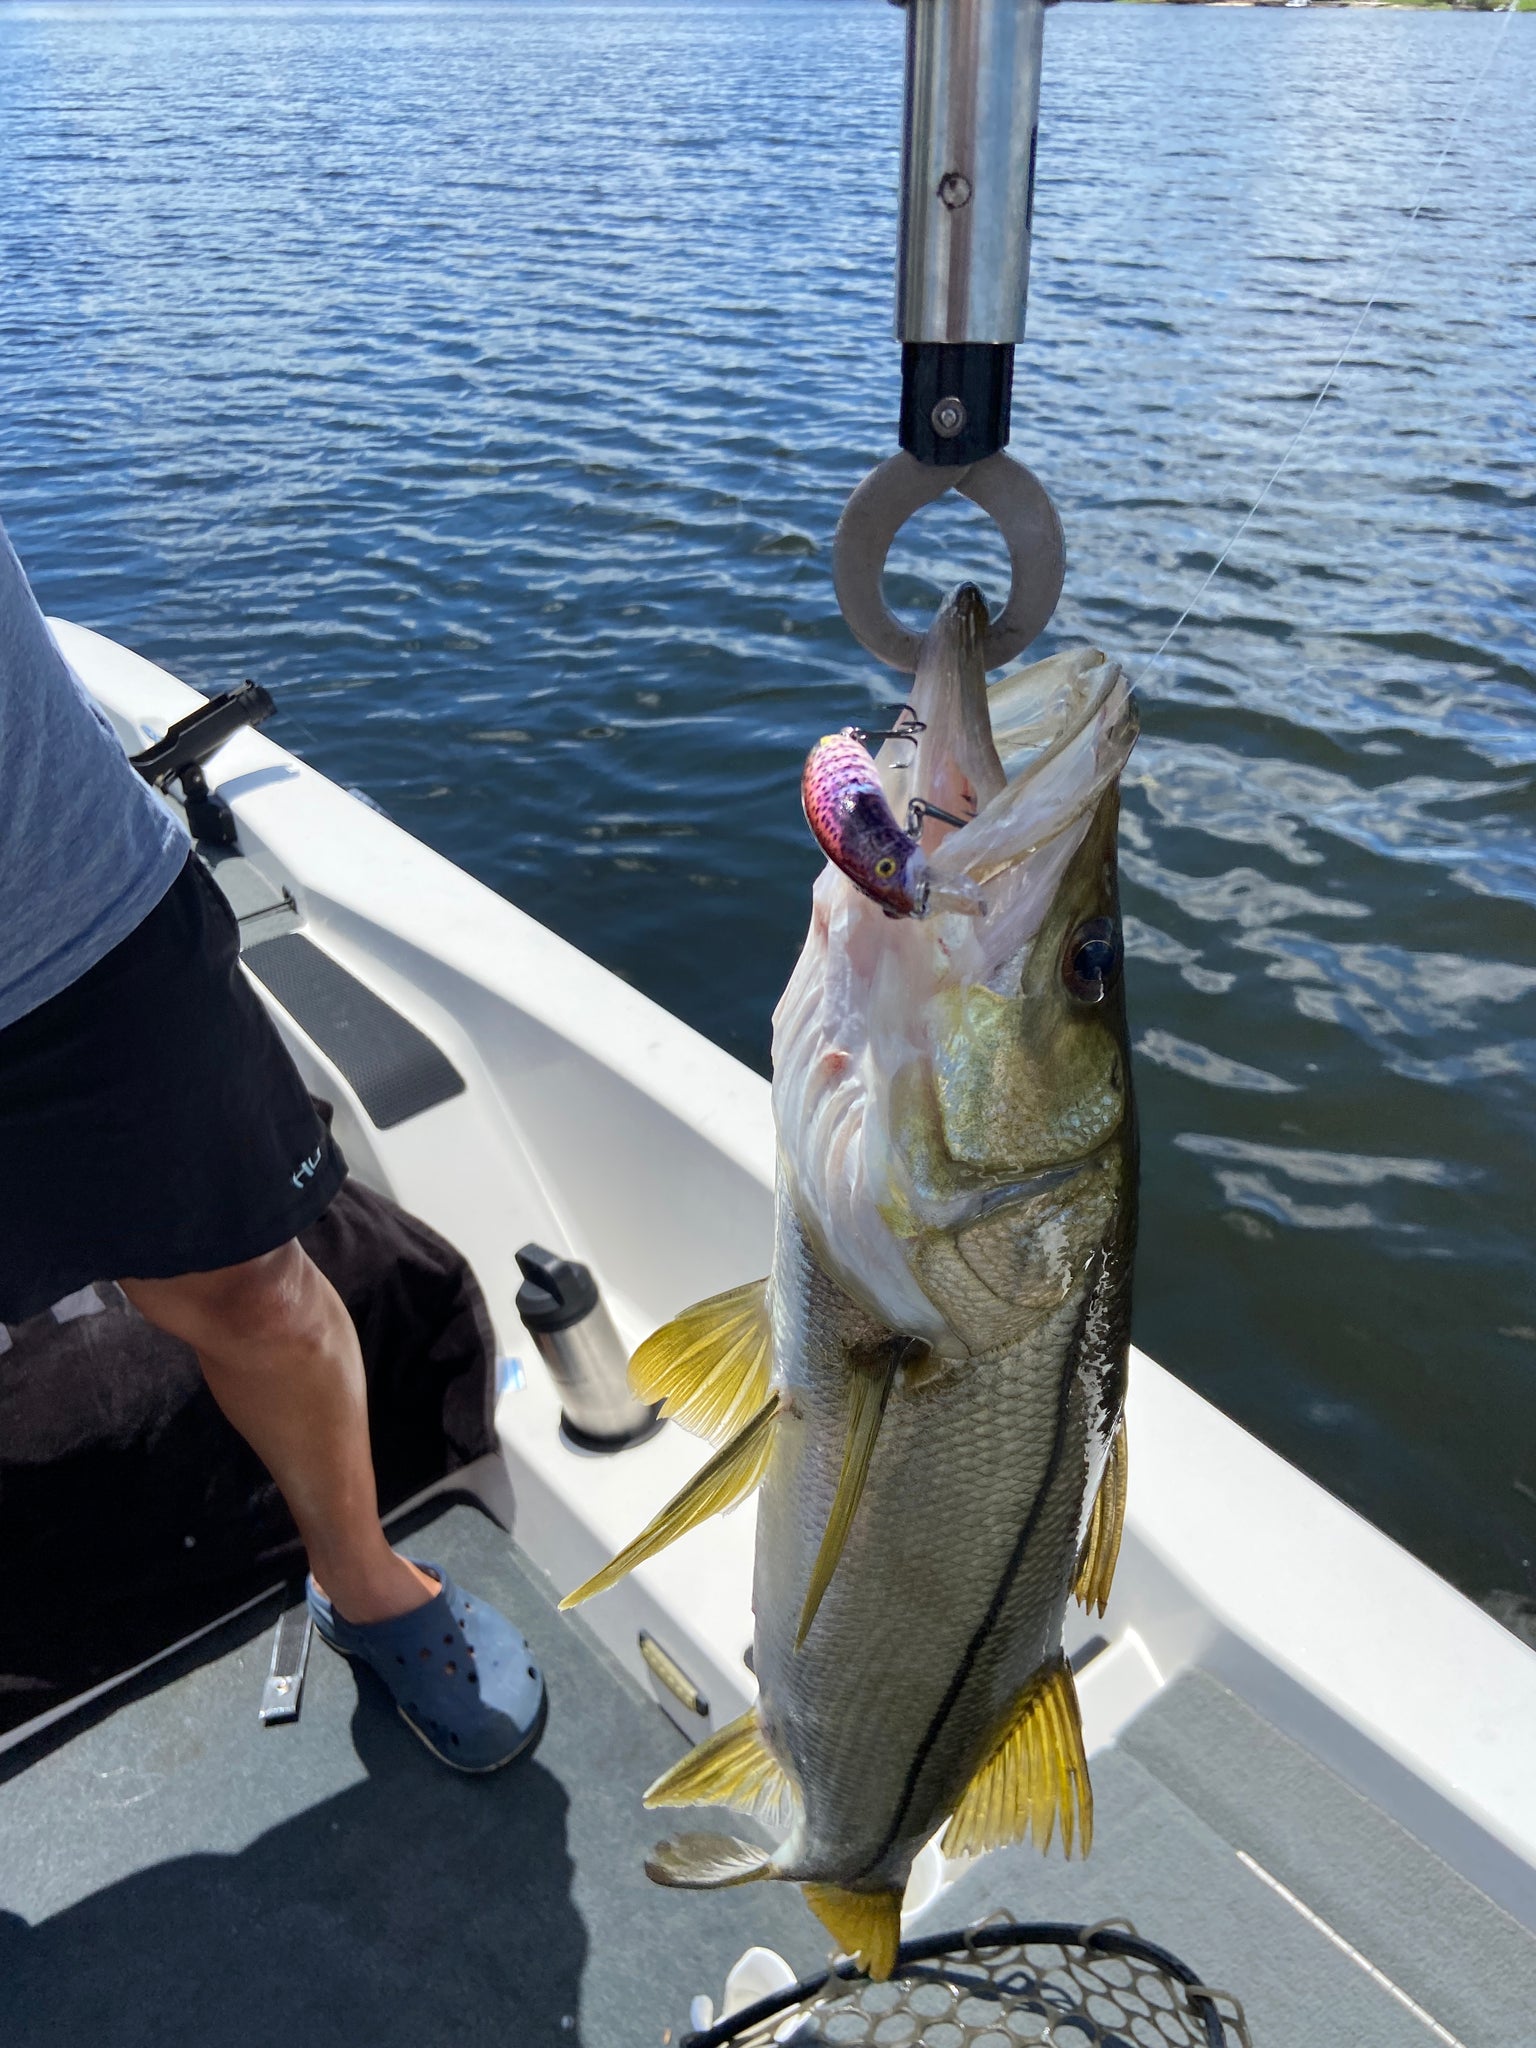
(1091, 964)
(885, 867)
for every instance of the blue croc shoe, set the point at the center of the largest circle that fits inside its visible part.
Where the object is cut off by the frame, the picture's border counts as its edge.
(459, 1672)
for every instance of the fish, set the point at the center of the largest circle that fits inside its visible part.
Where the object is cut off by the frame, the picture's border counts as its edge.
(927, 1390)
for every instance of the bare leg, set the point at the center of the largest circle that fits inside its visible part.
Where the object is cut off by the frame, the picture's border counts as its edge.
(281, 1358)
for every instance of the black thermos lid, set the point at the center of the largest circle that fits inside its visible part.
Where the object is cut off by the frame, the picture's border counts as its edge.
(555, 1292)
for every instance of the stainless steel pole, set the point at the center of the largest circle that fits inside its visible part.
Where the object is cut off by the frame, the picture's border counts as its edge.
(968, 169)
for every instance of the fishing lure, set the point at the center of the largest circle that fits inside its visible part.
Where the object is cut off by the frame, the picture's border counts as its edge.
(857, 830)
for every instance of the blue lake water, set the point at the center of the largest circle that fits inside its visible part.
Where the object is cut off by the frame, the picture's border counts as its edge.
(487, 380)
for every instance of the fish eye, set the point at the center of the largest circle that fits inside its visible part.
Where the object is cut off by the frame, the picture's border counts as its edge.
(1091, 963)
(885, 867)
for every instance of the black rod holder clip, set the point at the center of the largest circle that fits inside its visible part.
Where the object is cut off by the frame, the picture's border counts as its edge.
(191, 741)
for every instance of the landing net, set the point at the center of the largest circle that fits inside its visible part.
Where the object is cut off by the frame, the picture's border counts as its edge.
(1003, 1984)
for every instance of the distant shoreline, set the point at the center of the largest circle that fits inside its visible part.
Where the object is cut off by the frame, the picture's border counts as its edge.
(1421, 6)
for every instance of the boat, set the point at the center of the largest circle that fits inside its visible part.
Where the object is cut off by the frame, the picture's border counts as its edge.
(1315, 1761)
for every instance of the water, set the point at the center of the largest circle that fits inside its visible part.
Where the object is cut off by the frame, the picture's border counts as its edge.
(487, 381)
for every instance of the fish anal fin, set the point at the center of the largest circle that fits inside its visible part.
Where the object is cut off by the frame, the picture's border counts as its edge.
(869, 1388)
(733, 1767)
(710, 1367)
(729, 1476)
(1106, 1525)
(1035, 1774)
(706, 1863)
(865, 1925)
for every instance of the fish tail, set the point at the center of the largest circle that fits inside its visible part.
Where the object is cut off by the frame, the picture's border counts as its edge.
(866, 1925)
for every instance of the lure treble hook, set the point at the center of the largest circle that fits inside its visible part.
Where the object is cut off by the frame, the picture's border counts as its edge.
(908, 726)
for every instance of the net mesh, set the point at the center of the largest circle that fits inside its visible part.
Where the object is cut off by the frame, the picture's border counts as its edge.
(1004, 1984)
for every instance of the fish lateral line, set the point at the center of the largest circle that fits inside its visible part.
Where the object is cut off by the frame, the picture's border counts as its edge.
(962, 1672)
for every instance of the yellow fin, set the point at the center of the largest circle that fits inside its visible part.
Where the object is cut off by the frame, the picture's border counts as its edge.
(1106, 1524)
(709, 1367)
(706, 1863)
(1036, 1771)
(865, 1925)
(727, 1478)
(734, 1767)
(868, 1392)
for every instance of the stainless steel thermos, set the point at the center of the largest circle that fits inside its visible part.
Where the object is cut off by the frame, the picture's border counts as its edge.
(564, 1314)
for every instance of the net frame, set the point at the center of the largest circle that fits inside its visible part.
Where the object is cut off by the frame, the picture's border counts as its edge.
(1104, 1940)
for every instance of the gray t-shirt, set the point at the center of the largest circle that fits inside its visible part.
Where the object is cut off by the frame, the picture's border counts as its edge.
(86, 848)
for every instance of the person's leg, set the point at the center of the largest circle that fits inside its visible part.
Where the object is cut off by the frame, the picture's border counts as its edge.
(281, 1358)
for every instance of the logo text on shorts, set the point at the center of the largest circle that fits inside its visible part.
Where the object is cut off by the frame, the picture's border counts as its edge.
(306, 1171)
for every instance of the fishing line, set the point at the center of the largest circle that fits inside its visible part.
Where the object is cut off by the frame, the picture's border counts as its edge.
(1383, 273)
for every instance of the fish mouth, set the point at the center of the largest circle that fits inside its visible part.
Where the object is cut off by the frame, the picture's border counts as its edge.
(1013, 765)
(966, 610)
(1004, 777)
(1023, 764)
(953, 768)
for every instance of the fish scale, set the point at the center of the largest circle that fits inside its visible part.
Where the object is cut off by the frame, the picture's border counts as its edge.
(956, 1473)
(928, 1387)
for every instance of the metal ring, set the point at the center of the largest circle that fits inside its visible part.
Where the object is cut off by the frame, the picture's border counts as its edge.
(882, 504)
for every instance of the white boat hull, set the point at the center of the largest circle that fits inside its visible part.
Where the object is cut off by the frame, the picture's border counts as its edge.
(593, 1121)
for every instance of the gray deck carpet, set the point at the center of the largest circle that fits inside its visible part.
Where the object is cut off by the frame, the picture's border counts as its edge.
(176, 1875)
(171, 1874)
(1199, 1776)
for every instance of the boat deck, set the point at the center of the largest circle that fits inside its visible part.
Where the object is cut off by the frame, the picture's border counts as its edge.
(171, 1873)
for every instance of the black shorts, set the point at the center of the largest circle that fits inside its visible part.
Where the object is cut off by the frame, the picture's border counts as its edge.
(151, 1120)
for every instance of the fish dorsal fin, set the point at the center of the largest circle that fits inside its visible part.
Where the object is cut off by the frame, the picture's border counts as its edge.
(709, 1367)
(869, 1388)
(866, 1925)
(706, 1863)
(729, 1476)
(1036, 1771)
(734, 1767)
(1106, 1525)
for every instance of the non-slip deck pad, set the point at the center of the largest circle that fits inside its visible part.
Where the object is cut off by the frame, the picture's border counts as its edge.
(396, 1070)
(1198, 1782)
(177, 1876)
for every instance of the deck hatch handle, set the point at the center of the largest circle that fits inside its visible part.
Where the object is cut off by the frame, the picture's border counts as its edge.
(668, 1672)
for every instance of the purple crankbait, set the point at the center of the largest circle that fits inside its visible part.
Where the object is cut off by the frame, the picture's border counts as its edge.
(856, 829)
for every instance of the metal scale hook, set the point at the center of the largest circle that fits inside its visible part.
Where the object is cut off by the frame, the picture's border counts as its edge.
(883, 503)
(967, 200)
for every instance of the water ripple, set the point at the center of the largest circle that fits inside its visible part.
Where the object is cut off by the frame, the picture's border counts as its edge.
(487, 381)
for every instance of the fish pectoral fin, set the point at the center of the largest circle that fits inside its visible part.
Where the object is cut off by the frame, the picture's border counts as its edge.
(1037, 1770)
(1106, 1524)
(706, 1863)
(734, 1767)
(866, 1925)
(869, 1388)
(710, 1367)
(729, 1476)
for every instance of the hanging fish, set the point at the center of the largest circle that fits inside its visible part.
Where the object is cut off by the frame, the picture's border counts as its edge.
(928, 1387)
